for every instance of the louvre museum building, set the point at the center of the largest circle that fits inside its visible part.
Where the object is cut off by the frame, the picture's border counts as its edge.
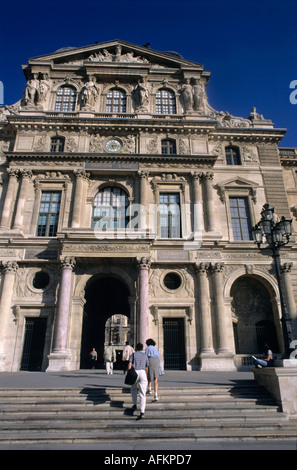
(126, 213)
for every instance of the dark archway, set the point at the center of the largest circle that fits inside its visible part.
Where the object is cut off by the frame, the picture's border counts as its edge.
(253, 324)
(106, 297)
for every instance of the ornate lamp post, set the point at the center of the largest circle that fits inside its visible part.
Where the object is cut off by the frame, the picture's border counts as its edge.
(274, 233)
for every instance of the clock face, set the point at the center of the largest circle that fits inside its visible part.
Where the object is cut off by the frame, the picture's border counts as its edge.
(113, 145)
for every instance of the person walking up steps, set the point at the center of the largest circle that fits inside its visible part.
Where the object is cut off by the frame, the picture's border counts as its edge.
(140, 362)
(154, 367)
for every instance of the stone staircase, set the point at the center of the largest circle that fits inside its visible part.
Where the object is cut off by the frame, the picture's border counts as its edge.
(103, 415)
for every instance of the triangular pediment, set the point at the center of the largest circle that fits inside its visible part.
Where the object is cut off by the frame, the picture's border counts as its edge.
(116, 52)
(237, 182)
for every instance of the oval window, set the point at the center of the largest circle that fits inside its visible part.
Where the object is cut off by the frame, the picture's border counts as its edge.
(41, 280)
(172, 281)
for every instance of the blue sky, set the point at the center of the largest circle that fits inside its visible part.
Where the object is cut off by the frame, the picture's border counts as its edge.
(248, 46)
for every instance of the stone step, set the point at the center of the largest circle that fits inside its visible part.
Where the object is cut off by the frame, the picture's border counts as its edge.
(141, 434)
(94, 415)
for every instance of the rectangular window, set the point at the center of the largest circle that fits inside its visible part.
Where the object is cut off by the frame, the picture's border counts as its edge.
(240, 218)
(48, 214)
(170, 215)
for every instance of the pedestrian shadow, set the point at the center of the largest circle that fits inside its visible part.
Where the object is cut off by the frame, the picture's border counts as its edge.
(100, 396)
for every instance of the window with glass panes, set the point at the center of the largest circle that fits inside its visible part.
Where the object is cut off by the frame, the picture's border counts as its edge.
(170, 225)
(48, 214)
(57, 144)
(116, 101)
(240, 218)
(66, 99)
(110, 209)
(165, 102)
(168, 147)
(232, 156)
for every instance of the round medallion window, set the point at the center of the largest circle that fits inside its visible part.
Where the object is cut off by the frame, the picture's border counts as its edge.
(172, 281)
(41, 280)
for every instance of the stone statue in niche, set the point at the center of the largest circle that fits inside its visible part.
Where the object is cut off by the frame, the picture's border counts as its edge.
(140, 95)
(187, 95)
(89, 94)
(30, 93)
(193, 96)
(36, 91)
(199, 96)
(43, 89)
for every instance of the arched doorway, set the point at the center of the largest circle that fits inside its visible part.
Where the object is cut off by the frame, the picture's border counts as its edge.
(105, 319)
(253, 319)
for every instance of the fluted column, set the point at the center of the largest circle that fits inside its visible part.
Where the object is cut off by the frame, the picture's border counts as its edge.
(209, 203)
(10, 269)
(10, 192)
(23, 195)
(144, 266)
(60, 356)
(204, 310)
(81, 178)
(221, 319)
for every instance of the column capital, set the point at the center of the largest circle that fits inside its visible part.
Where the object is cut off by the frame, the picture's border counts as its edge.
(217, 267)
(13, 173)
(26, 173)
(286, 267)
(80, 173)
(196, 175)
(208, 176)
(202, 267)
(10, 266)
(144, 263)
(143, 174)
(68, 262)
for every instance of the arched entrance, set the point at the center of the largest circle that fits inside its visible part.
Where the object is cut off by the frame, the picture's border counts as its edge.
(253, 318)
(105, 319)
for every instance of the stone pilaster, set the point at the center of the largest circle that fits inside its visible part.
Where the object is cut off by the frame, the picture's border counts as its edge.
(209, 202)
(82, 178)
(291, 305)
(9, 197)
(10, 269)
(23, 196)
(143, 175)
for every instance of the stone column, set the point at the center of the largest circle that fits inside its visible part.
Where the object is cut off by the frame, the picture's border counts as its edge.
(10, 192)
(143, 175)
(198, 213)
(60, 356)
(144, 266)
(291, 305)
(23, 195)
(81, 178)
(209, 203)
(204, 310)
(10, 269)
(225, 359)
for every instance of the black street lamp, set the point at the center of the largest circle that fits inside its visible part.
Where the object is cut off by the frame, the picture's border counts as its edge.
(274, 233)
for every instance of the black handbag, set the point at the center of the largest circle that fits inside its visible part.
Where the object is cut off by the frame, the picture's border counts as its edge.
(131, 376)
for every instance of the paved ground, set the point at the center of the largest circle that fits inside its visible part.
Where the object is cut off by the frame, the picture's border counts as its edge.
(98, 378)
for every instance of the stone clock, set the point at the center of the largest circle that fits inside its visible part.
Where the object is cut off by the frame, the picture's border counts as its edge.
(113, 145)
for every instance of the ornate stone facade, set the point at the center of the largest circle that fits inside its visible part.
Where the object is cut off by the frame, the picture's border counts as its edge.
(124, 193)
